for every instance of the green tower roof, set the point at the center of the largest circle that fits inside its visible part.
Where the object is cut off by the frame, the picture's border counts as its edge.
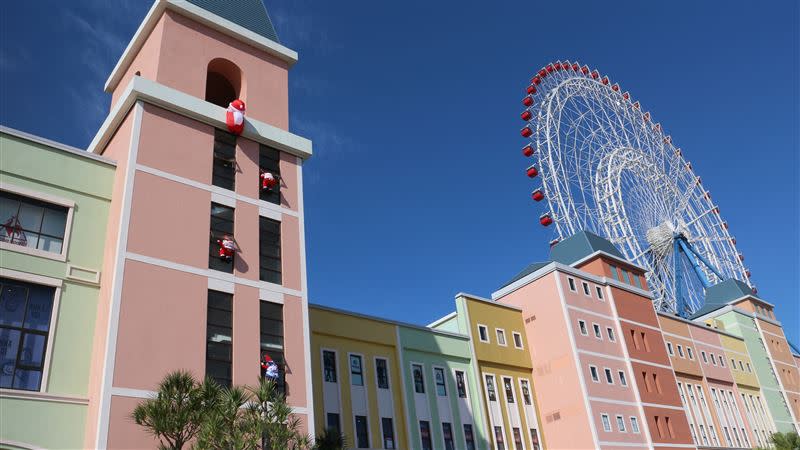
(250, 14)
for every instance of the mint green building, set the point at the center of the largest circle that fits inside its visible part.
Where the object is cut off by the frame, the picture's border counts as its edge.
(54, 205)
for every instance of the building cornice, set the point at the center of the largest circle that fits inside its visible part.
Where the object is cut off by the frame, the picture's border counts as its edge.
(700, 325)
(601, 253)
(199, 15)
(55, 145)
(486, 300)
(148, 91)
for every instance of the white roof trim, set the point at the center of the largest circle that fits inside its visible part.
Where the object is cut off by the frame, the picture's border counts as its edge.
(438, 321)
(142, 89)
(202, 16)
(55, 145)
(608, 255)
(486, 300)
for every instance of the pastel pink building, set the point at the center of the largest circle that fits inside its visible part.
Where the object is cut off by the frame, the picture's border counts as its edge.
(169, 298)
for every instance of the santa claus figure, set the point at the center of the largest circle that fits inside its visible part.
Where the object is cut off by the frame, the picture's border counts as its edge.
(234, 118)
(269, 368)
(268, 181)
(226, 248)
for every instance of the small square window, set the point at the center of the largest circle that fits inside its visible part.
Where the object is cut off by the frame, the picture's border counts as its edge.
(501, 336)
(517, 340)
(571, 282)
(483, 333)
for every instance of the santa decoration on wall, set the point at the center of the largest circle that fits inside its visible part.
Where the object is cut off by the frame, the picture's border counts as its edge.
(269, 368)
(268, 181)
(226, 248)
(234, 118)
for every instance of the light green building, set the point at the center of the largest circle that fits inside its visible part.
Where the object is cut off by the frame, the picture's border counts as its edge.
(54, 205)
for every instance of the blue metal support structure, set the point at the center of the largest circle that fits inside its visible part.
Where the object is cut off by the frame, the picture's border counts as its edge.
(682, 246)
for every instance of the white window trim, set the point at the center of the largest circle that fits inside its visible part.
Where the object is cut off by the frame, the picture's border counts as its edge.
(610, 428)
(597, 330)
(680, 351)
(571, 285)
(600, 295)
(612, 337)
(587, 291)
(622, 378)
(466, 384)
(690, 353)
(444, 374)
(637, 429)
(486, 387)
(596, 371)
(394, 430)
(609, 374)
(497, 332)
(322, 351)
(514, 335)
(422, 371)
(46, 281)
(355, 428)
(363, 375)
(522, 381)
(580, 330)
(513, 394)
(488, 338)
(703, 354)
(47, 198)
(388, 375)
(621, 420)
(670, 349)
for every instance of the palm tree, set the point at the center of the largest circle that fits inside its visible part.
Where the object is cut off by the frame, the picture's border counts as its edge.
(785, 441)
(330, 439)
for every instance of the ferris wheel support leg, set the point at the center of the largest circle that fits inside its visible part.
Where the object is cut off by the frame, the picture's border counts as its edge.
(680, 303)
(692, 254)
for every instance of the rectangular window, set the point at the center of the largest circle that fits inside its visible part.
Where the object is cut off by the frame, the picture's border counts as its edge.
(713, 359)
(703, 354)
(419, 380)
(499, 439)
(447, 433)
(223, 173)
(610, 333)
(269, 169)
(593, 372)
(526, 392)
(535, 439)
(749, 370)
(733, 364)
(382, 372)
(501, 336)
(32, 223)
(388, 432)
(680, 351)
(219, 337)
(669, 349)
(362, 432)
(222, 247)
(329, 366)
(636, 280)
(586, 290)
(425, 434)
(741, 365)
(626, 276)
(517, 339)
(572, 285)
(461, 385)
(25, 311)
(271, 323)
(483, 333)
(606, 423)
(517, 438)
(609, 376)
(690, 353)
(356, 371)
(622, 380)
(509, 389)
(582, 326)
(599, 292)
(438, 378)
(469, 436)
(490, 388)
(597, 333)
(333, 423)
(621, 424)
(269, 250)
(721, 361)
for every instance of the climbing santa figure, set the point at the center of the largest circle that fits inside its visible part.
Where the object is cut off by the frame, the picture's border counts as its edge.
(268, 181)
(234, 118)
(269, 368)
(226, 248)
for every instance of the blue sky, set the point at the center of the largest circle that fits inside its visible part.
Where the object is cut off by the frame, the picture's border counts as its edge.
(416, 190)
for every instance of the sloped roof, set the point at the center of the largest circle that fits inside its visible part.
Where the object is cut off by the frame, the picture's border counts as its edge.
(721, 294)
(581, 245)
(525, 272)
(250, 14)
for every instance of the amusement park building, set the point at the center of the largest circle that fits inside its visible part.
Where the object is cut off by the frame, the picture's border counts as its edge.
(112, 276)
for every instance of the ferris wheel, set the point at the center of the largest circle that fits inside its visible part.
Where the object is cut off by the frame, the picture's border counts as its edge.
(606, 166)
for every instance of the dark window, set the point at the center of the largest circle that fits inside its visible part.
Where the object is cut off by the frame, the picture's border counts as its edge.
(419, 380)
(223, 81)
(469, 437)
(333, 422)
(382, 373)
(535, 438)
(460, 384)
(483, 333)
(356, 371)
(221, 228)
(362, 435)
(499, 439)
(517, 438)
(32, 223)
(586, 288)
(269, 250)
(571, 284)
(509, 390)
(447, 432)
(223, 173)
(425, 434)
(25, 311)
(441, 388)
(219, 337)
(271, 322)
(526, 392)
(388, 432)
(490, 388)
(517, 340)
(269, 163)
(329, 363)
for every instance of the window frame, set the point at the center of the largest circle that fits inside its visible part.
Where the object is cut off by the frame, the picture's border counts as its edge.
(44, 198)
(435, 370)
(635, 425)
(262, 219)
(612, 337)
(350, 356)
(218, 134)
(377, 373)
(214, 234)
(391, 430)
(599, 291)
(463, 385)
(605, 420)
(582, 328)
(468, 438)
(680, 351)
(598, 332)
(525, 384)
(705, 357)
(421, 367)
(263, 154)
(571, 284)
(609, 375)
(586, 291)
(452, 435)
(486, 377)
(229, 297)
(594, 374)
(498, 333)
(689, 353)
(486, 329)
(335, 365)
(623, 379)
(515, 335)
(621, 424)
(670, 349)
(355, 430)
(508, 382)
(430, 434)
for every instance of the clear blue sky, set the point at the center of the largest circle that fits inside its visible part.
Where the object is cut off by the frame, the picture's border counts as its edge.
(416, 190)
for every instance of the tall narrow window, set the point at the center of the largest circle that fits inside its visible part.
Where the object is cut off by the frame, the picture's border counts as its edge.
(517, 339)
(362, 432)
(382, 372)
(509, 389)
(271, 324)
(599, 292)
(441, 387)
(690, 353)
(609, 377)
(490, 388)
(469, 437)
(621, 424)
(582, 327)
(669, 349)
(388, 432)
(634, 424)
(425, 434)
(703, 354)
(535, 439)
(526, 392)
(269, 250)
(221, 245)
(329, 363)
(606, 422)
(622, 380)
(501, 336)
(596, 329)
(517, 438)
(419, 380)
(224, 170)
(269, 174)
(219, 337)
(333, 423)
(461, 385)
(356, 371)
(571, 285)
(586, 290)
(610, 333)
(447, 433)
(614, 272)
(32, 223)
(483, 333)
(593, 373)
(25, 311)
(680, 350)
(499, 439)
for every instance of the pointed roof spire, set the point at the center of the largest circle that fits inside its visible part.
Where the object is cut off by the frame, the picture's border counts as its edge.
(250, 14)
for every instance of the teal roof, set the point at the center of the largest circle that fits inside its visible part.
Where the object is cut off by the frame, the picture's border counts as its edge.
(250, 14)
(722, 293)
(579, 246)
(525, 272)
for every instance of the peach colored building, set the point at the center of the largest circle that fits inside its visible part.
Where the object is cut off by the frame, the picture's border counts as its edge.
(168, 299)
